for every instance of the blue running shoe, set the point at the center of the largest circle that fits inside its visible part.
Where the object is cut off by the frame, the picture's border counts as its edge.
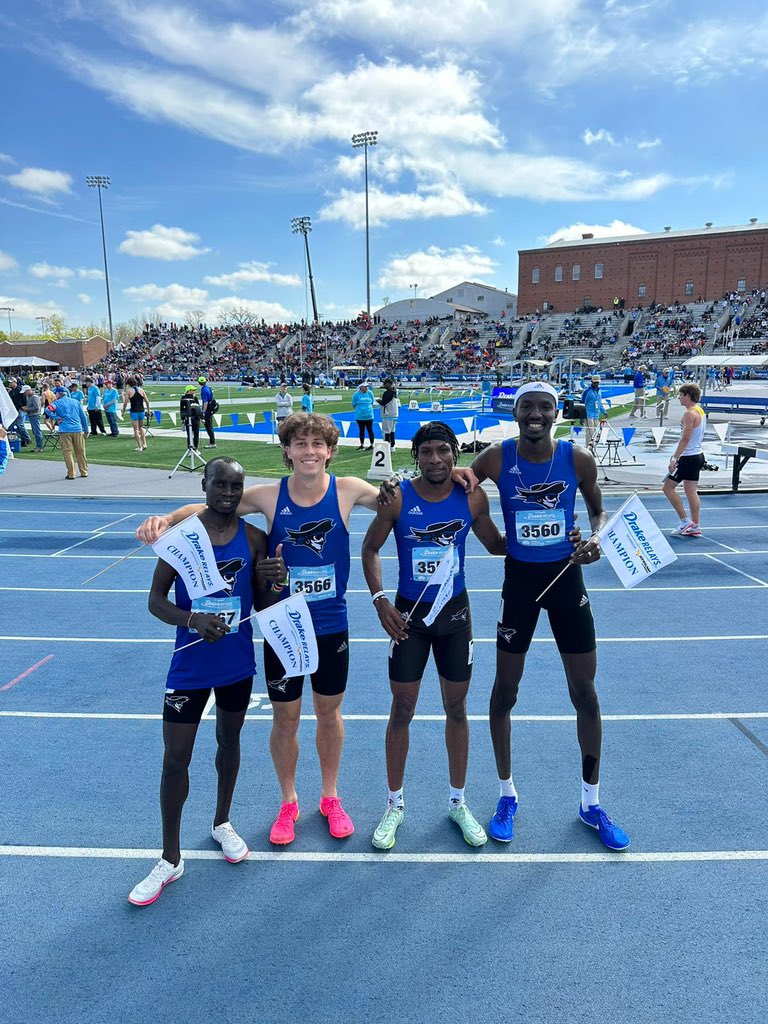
(611, 835)
(502, 824)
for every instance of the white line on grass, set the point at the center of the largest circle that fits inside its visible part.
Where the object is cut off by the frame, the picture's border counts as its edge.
(703, 716)
(385, 639)
(325, 857)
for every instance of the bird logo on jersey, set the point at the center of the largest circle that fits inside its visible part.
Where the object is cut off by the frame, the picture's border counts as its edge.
(311, 535)
(442, 534)
(546, 495)
(175, 702)
(229, 571)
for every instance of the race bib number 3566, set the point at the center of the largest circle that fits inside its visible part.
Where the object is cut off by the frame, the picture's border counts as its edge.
(316, 583)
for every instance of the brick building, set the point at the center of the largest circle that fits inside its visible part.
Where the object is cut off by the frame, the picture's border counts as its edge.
(74, 353)
(642, 269)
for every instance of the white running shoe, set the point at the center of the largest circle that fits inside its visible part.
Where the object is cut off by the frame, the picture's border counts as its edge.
(681, 529)
(232, 846)
(149, 889)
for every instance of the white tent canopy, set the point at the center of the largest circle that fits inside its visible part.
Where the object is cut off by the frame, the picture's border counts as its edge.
(732, 360)
(34, 361)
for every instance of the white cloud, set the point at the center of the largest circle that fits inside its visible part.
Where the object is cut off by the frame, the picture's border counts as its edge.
(162, 243)
(248, 273)
(90, 273)
(173, 293)
(589, 138)
(649, 144)
(45, 270)
(7, 262)
(436, 269)
(40, 182)
(25, 310)
(384, 207)
(5, 159)
(573, 232)
(499, 241)
(85, 299)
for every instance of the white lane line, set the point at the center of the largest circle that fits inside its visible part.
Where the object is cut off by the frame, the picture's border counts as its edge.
(472, 590)
(740, 571)
(733, 551)
(93, 536)
(324, 857)
(386, 640)
(695, 716)
(384, 558)
(493, 499)
(209, 704)
(130, 516)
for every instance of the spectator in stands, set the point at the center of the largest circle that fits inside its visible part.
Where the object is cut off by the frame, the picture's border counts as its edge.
(362, 403)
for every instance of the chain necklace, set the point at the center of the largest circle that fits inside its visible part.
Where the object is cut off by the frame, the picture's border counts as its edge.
(516, 467)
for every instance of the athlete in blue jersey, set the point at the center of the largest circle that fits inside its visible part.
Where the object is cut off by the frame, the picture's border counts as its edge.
(428, 515)
(224, 664)
(538, 479)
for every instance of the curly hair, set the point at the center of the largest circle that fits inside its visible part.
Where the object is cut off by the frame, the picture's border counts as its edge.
(300, 424)
(435, 430)
(692, 390)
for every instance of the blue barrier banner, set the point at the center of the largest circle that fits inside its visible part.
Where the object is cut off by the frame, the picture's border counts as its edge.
(628, 433)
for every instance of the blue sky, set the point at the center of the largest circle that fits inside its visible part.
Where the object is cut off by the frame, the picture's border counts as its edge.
(501, 125)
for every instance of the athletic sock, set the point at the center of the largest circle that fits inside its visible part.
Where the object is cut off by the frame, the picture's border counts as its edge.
(507, 787)
(685, 522)
(396, 798)
(456, 797)
(590, 795)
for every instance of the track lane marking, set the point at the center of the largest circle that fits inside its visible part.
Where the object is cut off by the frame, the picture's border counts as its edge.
(741, 572)
(694, 716)
(29, 671)
(386, 640)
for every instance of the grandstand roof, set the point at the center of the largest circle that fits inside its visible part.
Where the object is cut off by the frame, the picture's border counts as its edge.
(577, 243)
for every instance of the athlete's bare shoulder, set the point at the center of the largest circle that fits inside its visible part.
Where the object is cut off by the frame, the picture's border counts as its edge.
(259, 498)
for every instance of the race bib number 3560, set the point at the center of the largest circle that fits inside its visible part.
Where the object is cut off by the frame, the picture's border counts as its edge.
(540, 528)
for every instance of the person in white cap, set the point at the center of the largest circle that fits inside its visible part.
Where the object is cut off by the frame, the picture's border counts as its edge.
(595, 408)
(538, 479)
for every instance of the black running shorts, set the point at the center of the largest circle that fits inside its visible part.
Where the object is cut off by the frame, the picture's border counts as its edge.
(329, 680)
(449, 637)
(688, 467)
(566, 603)
(186, 707)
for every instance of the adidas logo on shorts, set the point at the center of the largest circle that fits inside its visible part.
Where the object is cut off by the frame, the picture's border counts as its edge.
(285, 511)
(584, 600)
(415, 511)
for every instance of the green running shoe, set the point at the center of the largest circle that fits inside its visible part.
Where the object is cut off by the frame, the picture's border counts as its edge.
(471, 829)
(386, 830)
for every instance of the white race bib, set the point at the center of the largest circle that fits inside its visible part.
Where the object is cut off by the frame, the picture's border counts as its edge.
(226, 608)
(540, 528)
(316, 583)
(424, 562)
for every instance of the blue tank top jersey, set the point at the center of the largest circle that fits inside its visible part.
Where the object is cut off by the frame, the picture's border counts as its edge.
(537, 500)
(231, 659)
(423, 531)
(316, 550)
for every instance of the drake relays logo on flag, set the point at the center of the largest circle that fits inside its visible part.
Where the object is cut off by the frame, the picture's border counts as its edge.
(287, 628)
(633, 543)
(187, 549)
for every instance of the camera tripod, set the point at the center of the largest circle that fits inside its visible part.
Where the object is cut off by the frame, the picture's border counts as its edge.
(191, 455)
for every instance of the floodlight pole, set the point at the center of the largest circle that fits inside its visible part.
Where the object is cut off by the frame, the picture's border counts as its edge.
(43, 321)
(303, 225)
(99, 181)
(362, 140)
(9, 310)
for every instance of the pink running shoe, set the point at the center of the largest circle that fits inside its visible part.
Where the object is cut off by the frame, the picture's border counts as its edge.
(339, 822)
(282, 832)
(692, 530)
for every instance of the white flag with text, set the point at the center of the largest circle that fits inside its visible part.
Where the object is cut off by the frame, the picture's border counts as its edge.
(633, 543)
(287, 628)
(442, 577)
(187, 548)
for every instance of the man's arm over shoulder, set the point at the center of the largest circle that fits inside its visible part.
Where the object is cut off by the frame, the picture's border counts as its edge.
(487, 465)
(354, 491)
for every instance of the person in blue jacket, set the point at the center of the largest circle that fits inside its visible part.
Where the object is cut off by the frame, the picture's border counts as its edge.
(362, 403)
(595, 408)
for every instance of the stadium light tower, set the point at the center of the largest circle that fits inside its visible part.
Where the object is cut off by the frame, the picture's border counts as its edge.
(9, 310)
(303, 225)
(415, 291)
(43, 325)
(362, 140)
(99, 181)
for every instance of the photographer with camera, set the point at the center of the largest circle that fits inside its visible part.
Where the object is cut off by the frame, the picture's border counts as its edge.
(210, 406)
(191, 414)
